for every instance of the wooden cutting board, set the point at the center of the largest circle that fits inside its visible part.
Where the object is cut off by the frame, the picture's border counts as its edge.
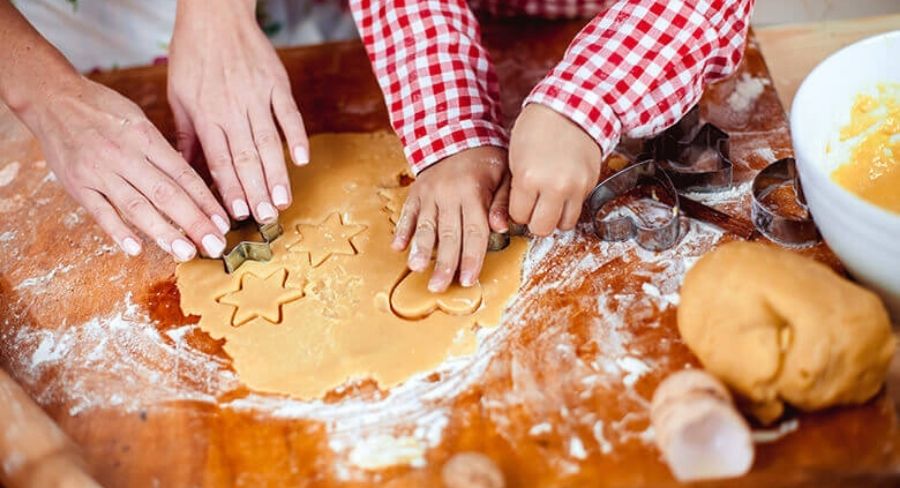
(557, 396)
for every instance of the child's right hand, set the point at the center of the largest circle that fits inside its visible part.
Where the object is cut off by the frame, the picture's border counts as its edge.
(454, 204)
(554, 166)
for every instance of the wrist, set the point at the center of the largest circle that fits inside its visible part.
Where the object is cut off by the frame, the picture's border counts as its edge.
(194, 11)
(33, 100)
(37, 74)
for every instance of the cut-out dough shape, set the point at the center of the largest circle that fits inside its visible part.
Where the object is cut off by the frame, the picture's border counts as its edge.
(343, 329)
(393, 201)
(260, 298)
(329, 238)
(411, 299)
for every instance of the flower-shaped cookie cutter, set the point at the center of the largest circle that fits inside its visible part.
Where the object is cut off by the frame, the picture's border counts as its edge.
(787, 230)
(253, 250)
(645, 177)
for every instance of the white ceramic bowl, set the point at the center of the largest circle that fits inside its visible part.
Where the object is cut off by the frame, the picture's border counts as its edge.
(865, 237)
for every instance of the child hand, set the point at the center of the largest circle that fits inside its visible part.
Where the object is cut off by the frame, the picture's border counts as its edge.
(554, 165)
(448, 205)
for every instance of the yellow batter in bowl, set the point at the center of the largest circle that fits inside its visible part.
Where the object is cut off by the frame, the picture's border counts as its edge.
(873, 169)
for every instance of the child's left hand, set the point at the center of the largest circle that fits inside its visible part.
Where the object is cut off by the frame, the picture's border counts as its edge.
(554, 166)
(453, 205)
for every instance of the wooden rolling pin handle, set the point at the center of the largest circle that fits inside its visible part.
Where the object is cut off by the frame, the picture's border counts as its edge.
(34, 452)
(698, 430)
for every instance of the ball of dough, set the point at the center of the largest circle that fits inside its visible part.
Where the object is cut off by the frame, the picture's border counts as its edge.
(779, 327)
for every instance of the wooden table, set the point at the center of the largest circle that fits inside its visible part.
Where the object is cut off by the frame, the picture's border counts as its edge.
(559, 398)
(793, 50)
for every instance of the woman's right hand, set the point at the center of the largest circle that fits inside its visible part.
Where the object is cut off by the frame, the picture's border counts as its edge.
(115, 163)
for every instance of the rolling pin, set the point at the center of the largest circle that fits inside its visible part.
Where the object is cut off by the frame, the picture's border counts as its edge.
(34, 452)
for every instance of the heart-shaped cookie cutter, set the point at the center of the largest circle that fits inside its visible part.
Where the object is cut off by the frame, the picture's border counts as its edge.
(253, 250)
(787, 230)
(639, 176)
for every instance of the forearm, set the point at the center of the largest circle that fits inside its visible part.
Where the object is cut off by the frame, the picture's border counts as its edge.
(438, 81)
(638, 67)
(33, 70)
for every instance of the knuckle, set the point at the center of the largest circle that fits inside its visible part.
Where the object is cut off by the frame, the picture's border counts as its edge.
(475, 231)
(163, 191)
(448, 235)
(246, 158)
(424, 226)
(267, 139)
(221, 160)
(134, 206)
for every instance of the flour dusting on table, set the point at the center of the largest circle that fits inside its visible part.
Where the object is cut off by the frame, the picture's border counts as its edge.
(142, 368)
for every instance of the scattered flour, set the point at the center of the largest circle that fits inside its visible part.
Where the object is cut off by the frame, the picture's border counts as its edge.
(733, 194)
(382, 451)
(764, 436)
(606, 447)
(576, 448)
(9, 172)
(123, 360)
(40, 281)
(746, 91)
(634, 368)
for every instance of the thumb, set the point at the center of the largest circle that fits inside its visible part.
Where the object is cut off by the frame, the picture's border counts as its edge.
(185, 135)
(498, 215)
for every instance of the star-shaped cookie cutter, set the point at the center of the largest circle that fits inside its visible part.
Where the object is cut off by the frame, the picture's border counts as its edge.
(253, 250)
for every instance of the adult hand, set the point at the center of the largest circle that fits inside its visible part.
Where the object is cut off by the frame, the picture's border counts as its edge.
(227, 88)
(454, 204)
(554, 165)
(114, 162)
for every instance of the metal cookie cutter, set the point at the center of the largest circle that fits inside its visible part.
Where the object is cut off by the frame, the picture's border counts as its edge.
(695, 156)
(253, 250)
(498, 241)
(645, 176)
(787, 230)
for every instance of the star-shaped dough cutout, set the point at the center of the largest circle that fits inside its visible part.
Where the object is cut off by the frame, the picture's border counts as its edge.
(260, 298)
(329, 238)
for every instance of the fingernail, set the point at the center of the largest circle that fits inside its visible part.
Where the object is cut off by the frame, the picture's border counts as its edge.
(241, 210)
(279, 196)
(434, 286)
(416, 263)
(183, 250)
(266, 211)
(130, 246)
(301, 155)
(466, 279)
(214, 245)
(164, 245)
(221, 223)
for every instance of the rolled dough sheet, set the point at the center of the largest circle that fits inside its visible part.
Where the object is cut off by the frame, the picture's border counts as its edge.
(335, 304)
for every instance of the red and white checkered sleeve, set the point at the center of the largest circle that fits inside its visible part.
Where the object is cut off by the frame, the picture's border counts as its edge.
(638, 67)
(438, 82)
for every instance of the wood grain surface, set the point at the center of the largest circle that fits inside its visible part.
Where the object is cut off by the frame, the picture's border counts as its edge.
(558, 397)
